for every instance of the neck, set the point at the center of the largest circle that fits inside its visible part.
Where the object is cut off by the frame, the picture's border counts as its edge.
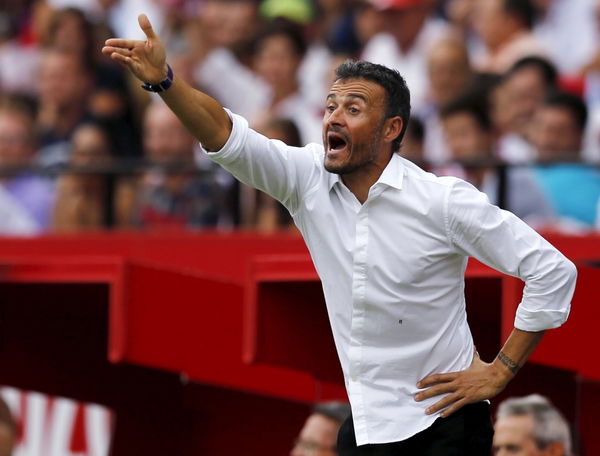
(360, 181)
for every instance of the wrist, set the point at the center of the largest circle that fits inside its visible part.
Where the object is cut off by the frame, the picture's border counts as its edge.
(505, 368)
(160, 86)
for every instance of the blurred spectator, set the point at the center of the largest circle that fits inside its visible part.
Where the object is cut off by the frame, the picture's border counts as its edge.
(8, 430)
(81, 195)
(449, 74)
(259, 210)
(523, 89)
(18, 56)
(31, 193)
(223, 28)
(65, 84)
(318, 436)
(410, 31)
(568, 31)
(412, 147)
(278, 53)
(530, 425)
(557, 129)
(470, 137)
(109, 101)
(505, 28)
(172, 193)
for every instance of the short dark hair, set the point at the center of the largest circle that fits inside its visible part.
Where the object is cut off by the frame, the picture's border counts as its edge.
(470, 103)
(337, 411)
(546, 69)
(574, 104)
(523, 9)
(398, 95)
(286, 28)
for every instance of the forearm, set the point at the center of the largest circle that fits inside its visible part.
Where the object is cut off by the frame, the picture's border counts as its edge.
(515, 352)
(202, 115)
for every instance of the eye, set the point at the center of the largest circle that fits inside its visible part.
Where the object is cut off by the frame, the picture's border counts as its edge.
(330, 108)
(353, 110)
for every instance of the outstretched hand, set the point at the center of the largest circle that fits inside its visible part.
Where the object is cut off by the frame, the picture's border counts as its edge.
(146, 59)
(479, 382)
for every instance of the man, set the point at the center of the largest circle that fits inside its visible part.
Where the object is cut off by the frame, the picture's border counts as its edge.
(409, 31)
(8, 430)
(470, 137)
(27, 198)
(390, 243)
(556, 133)
(522, 90)
(530, 426)
(319, 434)
(172, 193)
(505, 28)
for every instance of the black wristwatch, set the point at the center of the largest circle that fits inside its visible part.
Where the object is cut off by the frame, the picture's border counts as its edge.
(162, 85)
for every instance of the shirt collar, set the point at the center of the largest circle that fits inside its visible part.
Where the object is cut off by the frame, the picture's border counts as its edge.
(392, 175)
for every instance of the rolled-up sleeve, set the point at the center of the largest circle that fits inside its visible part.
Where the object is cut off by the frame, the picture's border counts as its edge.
(502, 241)
(269, 165)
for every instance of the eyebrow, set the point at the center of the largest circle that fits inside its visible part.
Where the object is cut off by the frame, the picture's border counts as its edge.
(350, 95)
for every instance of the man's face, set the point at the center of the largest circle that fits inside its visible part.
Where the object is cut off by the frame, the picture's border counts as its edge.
(318, 437)
(16, 148)
(524, 91)
(62, 80)
(490, 22)
(276, 60)
(352, 125)
(467, 139)
(166, 141)
(555, 133)
(448, 70)
(513, 436)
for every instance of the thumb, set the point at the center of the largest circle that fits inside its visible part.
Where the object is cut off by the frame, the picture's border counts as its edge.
(146, 26)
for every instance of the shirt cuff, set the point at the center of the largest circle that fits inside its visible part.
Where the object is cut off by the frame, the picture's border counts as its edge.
(540, 320)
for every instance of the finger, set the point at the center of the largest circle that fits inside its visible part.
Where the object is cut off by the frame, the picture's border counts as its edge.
(436, 378)
(146, 26)
(435, 390)
(443, 403)
(108, 50)
(121, 58)
(122, 43)
(453, 408)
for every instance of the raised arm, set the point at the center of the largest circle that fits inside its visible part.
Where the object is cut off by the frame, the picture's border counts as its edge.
(202, 115)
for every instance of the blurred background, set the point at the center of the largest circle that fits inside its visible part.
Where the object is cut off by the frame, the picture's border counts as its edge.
(96, 173)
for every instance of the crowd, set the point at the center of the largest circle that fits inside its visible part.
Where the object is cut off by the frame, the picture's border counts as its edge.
(529, 425)
(504, 93)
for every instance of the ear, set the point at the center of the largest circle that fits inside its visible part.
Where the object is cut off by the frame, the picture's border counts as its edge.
(554, 449)
(392, 128)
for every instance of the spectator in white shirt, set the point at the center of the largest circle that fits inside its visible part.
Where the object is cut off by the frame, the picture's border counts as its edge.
(504, 27)
(409, 32)
(390, 243)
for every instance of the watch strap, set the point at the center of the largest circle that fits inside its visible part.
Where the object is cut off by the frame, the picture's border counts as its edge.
(162, 85)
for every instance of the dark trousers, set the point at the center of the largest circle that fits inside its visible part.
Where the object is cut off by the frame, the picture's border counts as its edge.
(467, 432)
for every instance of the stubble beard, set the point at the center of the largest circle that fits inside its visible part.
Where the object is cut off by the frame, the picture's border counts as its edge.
(371, 145)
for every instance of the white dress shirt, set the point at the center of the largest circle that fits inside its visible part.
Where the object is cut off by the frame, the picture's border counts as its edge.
(392, 270)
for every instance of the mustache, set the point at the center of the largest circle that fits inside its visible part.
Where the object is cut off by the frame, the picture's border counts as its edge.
(338, 131)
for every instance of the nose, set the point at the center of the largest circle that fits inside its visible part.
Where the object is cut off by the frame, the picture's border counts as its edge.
(334, 117)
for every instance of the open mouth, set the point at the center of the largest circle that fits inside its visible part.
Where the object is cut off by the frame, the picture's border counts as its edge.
(336, 141)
